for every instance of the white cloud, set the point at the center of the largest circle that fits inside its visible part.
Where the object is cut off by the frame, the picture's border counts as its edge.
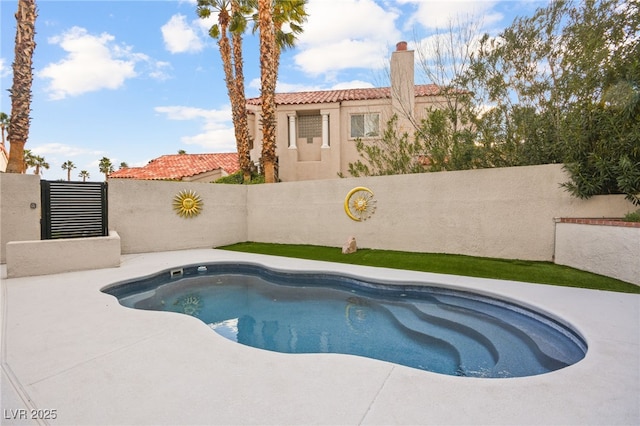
(432, 14)
(342, 55)
(333, 40)
(356, 34)
(5, 70)
(93, 62)
(159, 70)
(61, 150)
(179, 37)
(353, 84)
(292, 88)
(217, 133)
(56, 153)
(214, 138)
(442, 56)
(192, 113)
(205, 24)
(282, 87)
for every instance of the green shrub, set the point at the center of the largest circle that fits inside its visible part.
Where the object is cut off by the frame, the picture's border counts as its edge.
(632, 216)
(238, 179)
(235, 178)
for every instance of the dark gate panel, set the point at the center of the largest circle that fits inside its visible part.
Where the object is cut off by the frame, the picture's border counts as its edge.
(74, 209)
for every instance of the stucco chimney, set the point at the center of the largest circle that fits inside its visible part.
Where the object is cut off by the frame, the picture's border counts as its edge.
(402, 85)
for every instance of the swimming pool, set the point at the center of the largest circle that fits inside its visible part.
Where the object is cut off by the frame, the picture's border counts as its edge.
(413, 324)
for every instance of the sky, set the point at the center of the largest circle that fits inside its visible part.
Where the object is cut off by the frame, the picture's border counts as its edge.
(135, 80)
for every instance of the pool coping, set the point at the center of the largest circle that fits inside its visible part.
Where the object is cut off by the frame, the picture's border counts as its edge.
(68, 347)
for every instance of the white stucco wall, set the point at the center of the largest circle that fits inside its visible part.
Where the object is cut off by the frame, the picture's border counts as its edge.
(142, 213)
(504, 213)
(613, 251)
(44, 257)
(18, 221)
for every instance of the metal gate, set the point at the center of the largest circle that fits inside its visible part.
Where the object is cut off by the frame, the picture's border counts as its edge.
(73, 209)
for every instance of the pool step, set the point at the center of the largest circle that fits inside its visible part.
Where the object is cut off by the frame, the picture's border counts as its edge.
(517, 351)
(549, 344)
(476, 335)
(475, 353)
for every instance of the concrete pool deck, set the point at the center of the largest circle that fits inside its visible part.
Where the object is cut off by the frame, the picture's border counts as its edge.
(70, 348)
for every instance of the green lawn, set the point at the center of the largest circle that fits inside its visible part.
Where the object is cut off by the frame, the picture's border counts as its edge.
(517, 270)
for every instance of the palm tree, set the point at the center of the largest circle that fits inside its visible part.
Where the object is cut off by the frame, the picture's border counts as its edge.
(267, 88)
(84, 175)
(28, 160)
(20, 91)
(105, 167)
(68, 166)
(4, 125)
(124, 165)
(293, 13)
(39, 163)
(272, 41)
(240, 105)
(182, 152)
(231, 18)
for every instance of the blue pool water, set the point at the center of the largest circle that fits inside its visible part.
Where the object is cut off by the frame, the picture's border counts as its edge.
(425, 327)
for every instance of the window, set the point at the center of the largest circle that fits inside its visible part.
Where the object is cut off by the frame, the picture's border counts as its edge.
(309, 127)
(365, 125)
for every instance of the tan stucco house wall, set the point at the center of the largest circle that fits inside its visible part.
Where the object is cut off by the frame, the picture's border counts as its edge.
(331, 147)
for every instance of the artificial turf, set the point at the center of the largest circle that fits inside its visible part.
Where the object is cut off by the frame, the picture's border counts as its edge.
(504, 269)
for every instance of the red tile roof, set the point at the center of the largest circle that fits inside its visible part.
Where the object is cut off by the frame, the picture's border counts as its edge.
(178, 166)
(327, 96)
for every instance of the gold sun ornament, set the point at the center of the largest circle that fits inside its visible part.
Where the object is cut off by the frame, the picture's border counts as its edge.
(359, 204)
(187, 203)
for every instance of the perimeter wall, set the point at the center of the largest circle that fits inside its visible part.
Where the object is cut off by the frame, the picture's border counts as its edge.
(142, 213)
(504, 213)
(18, 220)
(611, 249)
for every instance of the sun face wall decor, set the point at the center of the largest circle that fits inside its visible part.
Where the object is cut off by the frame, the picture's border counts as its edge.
(187, 204)
(359, 204)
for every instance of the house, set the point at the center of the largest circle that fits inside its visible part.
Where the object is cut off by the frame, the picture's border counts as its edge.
(316, 131)
(4, 158)
(183, 167)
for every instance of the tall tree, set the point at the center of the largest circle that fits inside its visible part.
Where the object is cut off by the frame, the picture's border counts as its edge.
(393, 154)
(105, 167)
(602, 124)
(84, 175)
(40, 164)
(20, 91)
(286, 13)
(268, 75)
(28, 160)
(292, 14)
(231, 19)
(68, 166)
(4, 125)
(244, 144)
(550, 78)
(442, 137)
(517, 75)
(445, 132)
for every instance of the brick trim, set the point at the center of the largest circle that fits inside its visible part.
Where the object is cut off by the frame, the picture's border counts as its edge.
(599, 221)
